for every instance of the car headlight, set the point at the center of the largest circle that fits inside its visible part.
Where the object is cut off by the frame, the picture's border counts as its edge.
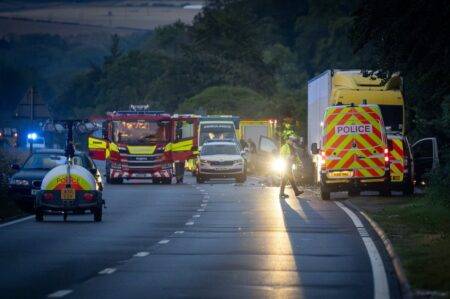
(19, 182)
(279, 165)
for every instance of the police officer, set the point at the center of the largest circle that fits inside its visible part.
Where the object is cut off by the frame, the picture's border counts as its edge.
(289, 155)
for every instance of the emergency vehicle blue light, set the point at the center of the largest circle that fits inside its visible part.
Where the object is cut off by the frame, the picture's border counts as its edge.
(32, 136)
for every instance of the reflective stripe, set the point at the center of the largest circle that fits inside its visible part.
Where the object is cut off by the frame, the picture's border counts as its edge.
(396, 156)
(141, 150)
(180, 146)
(94, 143)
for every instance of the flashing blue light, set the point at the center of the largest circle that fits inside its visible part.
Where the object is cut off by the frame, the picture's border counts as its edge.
(32, 136)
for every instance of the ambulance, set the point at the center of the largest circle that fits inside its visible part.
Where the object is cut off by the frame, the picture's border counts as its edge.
(353, 152)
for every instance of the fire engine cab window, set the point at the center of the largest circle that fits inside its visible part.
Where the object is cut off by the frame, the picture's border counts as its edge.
(392, 116)
(184, 130)
(138, 132)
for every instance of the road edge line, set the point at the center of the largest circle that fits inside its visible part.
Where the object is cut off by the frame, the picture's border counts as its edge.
(395, 259)
(15, 221)
(379, 275)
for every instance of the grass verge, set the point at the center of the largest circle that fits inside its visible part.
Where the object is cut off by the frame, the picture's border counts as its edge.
(419, 229)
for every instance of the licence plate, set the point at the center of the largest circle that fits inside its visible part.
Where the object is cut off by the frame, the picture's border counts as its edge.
(68, 194)
(340, 174)
(34, 191)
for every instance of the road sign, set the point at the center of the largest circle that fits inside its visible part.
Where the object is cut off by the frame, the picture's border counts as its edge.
(32, 106)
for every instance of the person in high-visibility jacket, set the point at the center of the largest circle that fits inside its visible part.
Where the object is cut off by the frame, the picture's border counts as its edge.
(289, 155)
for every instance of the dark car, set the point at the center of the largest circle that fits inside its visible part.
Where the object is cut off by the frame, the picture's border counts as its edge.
(26, 182)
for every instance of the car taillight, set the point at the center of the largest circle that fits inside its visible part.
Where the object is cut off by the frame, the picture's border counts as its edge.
(386, 155)
(48, 196)
(88, 196)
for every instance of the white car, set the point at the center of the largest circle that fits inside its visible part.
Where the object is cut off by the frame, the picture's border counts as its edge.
(221, 160)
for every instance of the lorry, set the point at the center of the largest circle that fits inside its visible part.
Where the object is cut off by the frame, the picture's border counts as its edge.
(143, 144)
(335, 87)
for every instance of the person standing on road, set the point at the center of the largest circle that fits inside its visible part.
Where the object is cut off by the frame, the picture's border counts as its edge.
(289, 155)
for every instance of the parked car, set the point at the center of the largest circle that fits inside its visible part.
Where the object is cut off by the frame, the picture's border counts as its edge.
(221, 160)
(26, 182)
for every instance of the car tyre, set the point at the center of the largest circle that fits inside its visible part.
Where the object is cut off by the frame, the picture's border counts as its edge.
(39, 215)
(354, 193)
(200, 179)
(98, 213)
(241, 179)
(325, 194)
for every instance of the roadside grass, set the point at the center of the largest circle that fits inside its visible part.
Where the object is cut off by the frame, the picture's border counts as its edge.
(419, 229)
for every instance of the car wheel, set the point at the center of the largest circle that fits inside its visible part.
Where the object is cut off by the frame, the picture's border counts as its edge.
(353, 192)
(98, 213)
(241, 179)
(324, 192)
(39, 215)
(200, 179)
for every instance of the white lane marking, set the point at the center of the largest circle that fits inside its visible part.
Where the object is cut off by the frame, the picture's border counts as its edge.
(16, 221)
(196, 216)
(60, 293)
(179, 232)
(203, 205)
(107, 271)
(205, 200)
(200, 210)
(380, 283)
(190, 223)
(141, 254)
(206, 196)
(165, 241)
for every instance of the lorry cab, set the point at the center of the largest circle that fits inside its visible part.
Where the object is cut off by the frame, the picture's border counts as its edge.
(354, 152)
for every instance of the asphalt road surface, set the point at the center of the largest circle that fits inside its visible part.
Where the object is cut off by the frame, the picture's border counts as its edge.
(220, 240)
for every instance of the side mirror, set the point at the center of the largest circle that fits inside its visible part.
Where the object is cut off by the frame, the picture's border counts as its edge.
(314, 149)
(15, 167)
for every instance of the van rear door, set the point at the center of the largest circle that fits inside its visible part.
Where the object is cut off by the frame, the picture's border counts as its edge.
(354, 142)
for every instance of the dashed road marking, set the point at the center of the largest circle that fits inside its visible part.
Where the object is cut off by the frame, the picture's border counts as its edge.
(60, 293)
(206, 196)
(165, 241)
(200, 210)
(380, 283)
(107, 271)
(190, 223)
(142, 254)
(203, 205)
(179, 232)
(196, 216)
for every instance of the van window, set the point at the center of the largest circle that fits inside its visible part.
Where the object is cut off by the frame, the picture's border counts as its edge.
(424, 149)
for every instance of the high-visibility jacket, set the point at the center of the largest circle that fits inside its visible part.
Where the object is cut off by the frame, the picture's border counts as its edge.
(285, 151)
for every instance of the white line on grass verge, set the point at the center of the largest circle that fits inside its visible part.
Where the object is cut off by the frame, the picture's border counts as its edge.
(16, 221)
(141, 254)
(380, 283)
(107, 271)
(60, 293)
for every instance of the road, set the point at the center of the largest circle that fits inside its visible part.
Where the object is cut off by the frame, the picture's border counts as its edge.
(209, 240)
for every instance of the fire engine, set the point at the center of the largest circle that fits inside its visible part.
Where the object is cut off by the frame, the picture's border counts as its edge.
(143, 144)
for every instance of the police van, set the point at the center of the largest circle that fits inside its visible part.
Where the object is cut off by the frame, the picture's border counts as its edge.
(353, 153)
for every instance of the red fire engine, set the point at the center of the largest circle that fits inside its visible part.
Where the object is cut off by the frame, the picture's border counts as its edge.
(143, 144)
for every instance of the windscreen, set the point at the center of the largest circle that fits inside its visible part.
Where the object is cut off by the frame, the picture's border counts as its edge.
(217, 132)
(47, 161)
(392, 116)
(140, 132)
(219, 149)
